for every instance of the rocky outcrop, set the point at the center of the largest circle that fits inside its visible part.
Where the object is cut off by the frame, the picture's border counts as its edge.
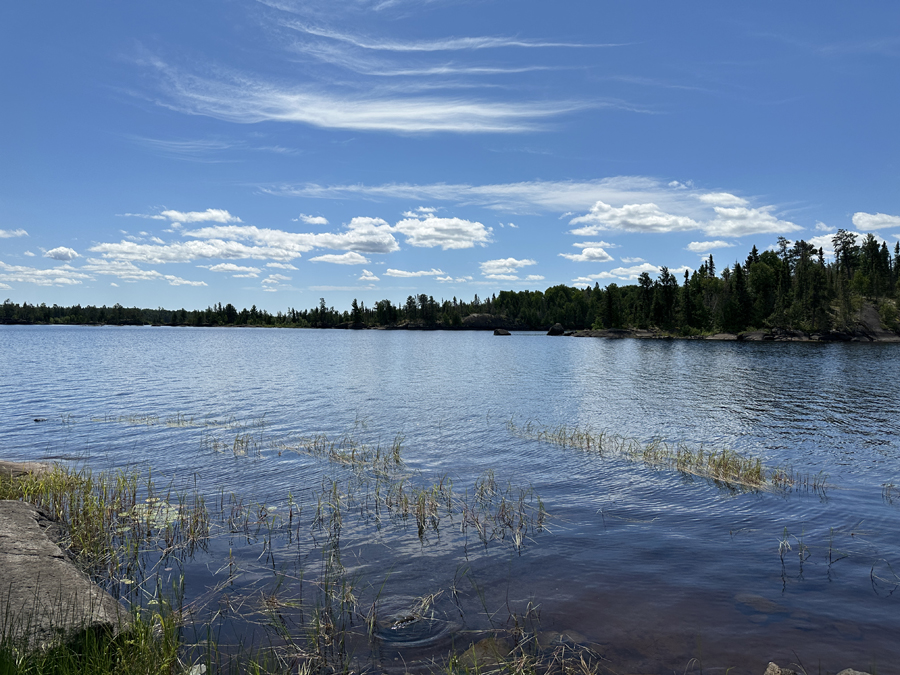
(501, 331)
(16, 469)
(44, 598)
(775, 669)
(556, 329)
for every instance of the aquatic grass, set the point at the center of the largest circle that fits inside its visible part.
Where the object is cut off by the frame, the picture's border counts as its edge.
(724, 467)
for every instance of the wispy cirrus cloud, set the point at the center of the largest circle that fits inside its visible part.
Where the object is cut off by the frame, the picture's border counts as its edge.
(9, 234)
(248, 99)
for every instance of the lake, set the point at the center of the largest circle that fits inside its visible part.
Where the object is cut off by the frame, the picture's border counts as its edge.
(655, 569)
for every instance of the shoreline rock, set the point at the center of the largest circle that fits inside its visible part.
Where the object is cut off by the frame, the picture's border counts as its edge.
(45, 600)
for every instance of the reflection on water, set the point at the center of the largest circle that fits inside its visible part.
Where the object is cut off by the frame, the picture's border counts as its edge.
(646, 567)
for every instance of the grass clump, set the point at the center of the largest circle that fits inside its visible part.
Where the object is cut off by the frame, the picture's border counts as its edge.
(724, 467)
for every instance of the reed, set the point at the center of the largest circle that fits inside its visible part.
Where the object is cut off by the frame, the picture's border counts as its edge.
(724, 466)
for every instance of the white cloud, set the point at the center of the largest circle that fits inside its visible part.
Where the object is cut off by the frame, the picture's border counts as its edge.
(29, 254)
(448, 279)
(189, 251)
(366, 235)
(148, 216)
(311, 220)
(826, 244)
(9, 234)
(822, 227)
(5, 287)
(283, 266)
(504, 266)
(128, 271)
(64, 275)
(594, 244)
(420, 211)
(506, 269)
(61, 253)
(276, 279)
(874, 221)
(624, 273)
(246, 99)
(448, 233)
(237, 270)
(423, 273)
(721, 199)
(590, 254)
(210, 215)
(704, 246)
(534, 277)
(630, 261)
(631, 218)
(349, 258)
(739, 221)
(367, 276)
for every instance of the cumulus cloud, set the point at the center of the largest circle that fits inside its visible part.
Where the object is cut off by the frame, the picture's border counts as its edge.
(362, 234)
(349, 258)
(422, 273)
(447, 233)
(283, 266)
(704, 246)
(504, 269)
(623, 273)
(311, 220)
(631, 218)
(448, 279)
(9, 234)
(61, 253)
(29, 254)
(276, 279)
(739, 221)
(210, 215)
(590, 254)
(128, 271)
(367, 276)
(874, 221)
(63, 275)
(630, 261)
(237, 271)
(189, 251)
(534, 277)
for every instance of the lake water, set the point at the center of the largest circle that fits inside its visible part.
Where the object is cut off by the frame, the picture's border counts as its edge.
(651, 567)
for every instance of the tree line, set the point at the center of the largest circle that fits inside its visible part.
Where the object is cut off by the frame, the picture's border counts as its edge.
(789, 287)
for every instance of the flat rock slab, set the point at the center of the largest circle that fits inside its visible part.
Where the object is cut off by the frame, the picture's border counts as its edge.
(44, 598)
(16, 469)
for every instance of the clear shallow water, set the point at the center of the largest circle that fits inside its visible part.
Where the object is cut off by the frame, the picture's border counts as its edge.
(653, 567)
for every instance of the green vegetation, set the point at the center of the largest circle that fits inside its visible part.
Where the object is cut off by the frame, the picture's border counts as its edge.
(724, 467)
(790, 288)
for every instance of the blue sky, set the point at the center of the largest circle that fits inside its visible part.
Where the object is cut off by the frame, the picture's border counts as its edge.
(274, 152)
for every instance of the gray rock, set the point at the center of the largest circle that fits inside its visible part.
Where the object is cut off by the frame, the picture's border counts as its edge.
(44, 599)
(850, 671)
(16, 469)
(501, 331)
(774, 669)
(556, 329)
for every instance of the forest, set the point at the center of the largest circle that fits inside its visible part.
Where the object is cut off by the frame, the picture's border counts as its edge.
(790, 287)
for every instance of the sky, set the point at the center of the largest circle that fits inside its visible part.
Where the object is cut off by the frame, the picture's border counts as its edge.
(275, 152)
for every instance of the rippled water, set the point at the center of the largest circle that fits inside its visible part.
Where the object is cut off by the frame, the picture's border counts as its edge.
(651, 567)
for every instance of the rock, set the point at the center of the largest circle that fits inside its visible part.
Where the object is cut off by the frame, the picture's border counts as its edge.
(556, 329)
(850, 671)
(16, 469)
(724, 337)
(774, 669)
(755, 336)
(759, 604)
(44, 598)
(869, 325)
(488, 652)
(501, 331)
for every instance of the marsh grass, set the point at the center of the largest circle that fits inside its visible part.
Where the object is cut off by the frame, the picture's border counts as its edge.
(724, 467)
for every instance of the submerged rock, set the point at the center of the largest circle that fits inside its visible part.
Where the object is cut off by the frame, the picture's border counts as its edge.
(44, 599)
